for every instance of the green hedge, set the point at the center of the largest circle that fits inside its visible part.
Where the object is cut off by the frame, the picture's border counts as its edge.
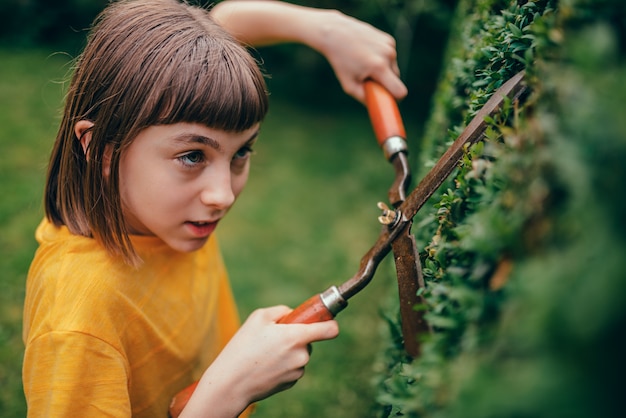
(523, 249)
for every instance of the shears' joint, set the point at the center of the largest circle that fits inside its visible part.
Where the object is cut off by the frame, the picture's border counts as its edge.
(389, 217)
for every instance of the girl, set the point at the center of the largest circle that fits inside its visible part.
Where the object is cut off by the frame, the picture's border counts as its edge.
(127, 298)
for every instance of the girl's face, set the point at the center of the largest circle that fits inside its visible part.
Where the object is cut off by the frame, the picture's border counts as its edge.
(177, 181)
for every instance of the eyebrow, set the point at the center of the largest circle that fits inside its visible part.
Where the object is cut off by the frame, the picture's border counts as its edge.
(198, 139)
(208, 141)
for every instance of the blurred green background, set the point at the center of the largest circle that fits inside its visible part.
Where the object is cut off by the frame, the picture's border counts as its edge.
(303, 223)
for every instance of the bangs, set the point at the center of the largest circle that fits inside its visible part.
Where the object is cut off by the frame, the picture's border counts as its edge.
(217, 87)
(211, 80)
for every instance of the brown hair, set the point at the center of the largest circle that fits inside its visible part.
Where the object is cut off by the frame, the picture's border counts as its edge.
(145, 63)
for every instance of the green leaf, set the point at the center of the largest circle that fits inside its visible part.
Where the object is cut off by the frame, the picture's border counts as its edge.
(517, 32)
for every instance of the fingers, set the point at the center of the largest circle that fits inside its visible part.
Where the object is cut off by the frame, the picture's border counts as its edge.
(392, 83)
(267, 357)
(319, 331)
(303, 333)
(358, 51)
(273, 313)
(381, 65)
(385, 70)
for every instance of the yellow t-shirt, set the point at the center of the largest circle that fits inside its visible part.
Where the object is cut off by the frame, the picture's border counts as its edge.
(105, 339)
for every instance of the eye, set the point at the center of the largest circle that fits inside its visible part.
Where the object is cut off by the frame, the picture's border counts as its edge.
(243, 153)
(191, 158)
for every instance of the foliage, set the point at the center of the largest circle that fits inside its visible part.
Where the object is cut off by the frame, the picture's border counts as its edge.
(522, 248)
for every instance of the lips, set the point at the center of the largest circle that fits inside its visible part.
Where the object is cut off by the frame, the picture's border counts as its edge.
(201, 229)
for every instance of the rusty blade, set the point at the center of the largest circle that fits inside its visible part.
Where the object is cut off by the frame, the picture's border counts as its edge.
(410, 280)
(408, 267)
(512, 89)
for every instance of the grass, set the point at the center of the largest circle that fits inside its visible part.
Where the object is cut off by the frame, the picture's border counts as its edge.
(28, 112)
(305, 219)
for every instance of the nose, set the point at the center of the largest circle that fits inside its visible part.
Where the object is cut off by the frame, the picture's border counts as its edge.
(217, 191)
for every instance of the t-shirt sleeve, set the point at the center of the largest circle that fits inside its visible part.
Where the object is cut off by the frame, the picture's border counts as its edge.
(71, 374)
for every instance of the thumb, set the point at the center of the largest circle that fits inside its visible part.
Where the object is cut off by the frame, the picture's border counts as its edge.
(318, 331)
(392, 83)
(275, 313)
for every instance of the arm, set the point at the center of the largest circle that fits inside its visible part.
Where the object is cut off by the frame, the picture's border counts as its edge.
(263, 358)
(355, 50)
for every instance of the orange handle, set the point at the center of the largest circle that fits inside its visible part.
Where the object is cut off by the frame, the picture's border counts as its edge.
(180, 400)
(384, 113)
(310, 311)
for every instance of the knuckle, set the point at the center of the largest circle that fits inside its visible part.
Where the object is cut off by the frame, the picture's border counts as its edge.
(302, 359)
(380, 65)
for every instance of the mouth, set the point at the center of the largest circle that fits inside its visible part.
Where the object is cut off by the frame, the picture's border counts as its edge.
(201, 229)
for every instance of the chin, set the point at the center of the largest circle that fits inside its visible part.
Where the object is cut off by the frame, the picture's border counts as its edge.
(188, 246)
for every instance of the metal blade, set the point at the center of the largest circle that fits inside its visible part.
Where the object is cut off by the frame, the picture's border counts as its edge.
(410, 280)
(470, 135)
(512, 89)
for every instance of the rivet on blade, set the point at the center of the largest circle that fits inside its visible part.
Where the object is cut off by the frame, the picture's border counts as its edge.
(388, 216)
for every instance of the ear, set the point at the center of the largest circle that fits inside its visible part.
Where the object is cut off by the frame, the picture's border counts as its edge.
(82, 130)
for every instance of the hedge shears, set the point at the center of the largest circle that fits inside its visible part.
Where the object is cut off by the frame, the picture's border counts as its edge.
(397, 221)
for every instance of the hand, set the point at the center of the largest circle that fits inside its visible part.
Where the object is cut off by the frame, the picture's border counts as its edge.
(358, 51)
(272, 355)
(262, 358)
(355, 50)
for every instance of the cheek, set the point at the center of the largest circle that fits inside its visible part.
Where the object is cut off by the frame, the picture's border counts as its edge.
(239, 181)
(142, 184)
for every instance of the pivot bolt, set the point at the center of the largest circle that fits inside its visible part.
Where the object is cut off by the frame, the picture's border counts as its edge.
(388, 216)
